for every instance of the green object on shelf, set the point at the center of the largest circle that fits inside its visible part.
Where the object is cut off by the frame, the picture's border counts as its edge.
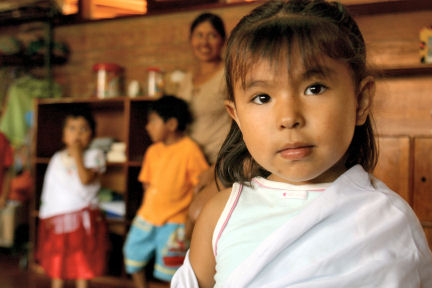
(105, 195)
(10, 45)
(20, 101)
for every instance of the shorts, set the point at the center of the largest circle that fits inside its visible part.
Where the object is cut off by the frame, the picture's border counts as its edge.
(166, 242)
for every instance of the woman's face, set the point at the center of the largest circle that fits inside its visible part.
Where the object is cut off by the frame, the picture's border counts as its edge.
(206, 42)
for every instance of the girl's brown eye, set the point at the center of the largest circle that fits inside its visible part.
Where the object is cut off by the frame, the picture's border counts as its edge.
(261, 99)
(315, 89)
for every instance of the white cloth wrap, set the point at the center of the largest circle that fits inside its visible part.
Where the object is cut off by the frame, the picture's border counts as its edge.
(358, 233)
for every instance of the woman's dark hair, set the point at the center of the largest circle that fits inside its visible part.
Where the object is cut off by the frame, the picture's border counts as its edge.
(168, 107)
(213, 19)
(271, 32)
(84, 113)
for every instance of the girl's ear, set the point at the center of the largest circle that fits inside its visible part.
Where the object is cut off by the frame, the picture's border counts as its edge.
(364, 99)
(231, 109)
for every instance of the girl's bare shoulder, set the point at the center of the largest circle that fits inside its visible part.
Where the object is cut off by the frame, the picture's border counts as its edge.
(201, 252)
(214, 207)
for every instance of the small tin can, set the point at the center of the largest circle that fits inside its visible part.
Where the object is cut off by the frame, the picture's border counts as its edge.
(109, 77)
(155, 83)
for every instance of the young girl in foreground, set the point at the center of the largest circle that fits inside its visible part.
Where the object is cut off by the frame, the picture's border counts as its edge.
(72, 234)
(303, 210)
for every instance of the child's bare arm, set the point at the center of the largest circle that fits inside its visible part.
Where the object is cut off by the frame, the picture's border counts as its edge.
(86, 175)
(201, 252)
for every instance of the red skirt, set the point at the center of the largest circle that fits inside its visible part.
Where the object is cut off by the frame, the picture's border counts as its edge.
(73, 245)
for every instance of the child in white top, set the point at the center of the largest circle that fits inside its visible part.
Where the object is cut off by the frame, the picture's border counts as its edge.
(72, 239)
(303, 210)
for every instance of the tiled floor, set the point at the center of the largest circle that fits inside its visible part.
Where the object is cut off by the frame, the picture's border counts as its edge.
(12, 276)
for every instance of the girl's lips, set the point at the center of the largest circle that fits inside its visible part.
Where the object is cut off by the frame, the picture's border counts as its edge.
(296, 152)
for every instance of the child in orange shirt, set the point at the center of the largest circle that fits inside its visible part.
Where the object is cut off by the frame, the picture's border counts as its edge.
(170, 170)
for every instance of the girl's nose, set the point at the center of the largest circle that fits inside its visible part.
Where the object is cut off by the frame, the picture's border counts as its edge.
(290, 115)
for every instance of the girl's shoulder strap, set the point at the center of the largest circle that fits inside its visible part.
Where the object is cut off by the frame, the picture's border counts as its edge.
(226, 214)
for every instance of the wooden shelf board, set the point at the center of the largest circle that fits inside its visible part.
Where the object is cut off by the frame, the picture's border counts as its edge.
(116, 221)
(402, 71)
(115, 164)
(134, 164)
(142, 98)
(42, 160)
(82, 100)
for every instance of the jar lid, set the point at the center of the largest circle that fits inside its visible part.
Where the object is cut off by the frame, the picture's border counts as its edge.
(155, 69)
(107, 66)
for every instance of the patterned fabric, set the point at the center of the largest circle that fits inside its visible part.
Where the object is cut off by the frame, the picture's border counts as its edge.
(144, 240)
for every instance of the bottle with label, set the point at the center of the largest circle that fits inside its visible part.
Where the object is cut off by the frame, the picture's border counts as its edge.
(155, 82)
(109, 77)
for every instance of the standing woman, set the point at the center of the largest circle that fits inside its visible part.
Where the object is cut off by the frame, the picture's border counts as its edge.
(204, 89)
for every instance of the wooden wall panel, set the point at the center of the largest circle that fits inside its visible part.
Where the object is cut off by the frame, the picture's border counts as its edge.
(393, 39)
(393, 166)
(423, 178)
(428, 232)
(403, 106)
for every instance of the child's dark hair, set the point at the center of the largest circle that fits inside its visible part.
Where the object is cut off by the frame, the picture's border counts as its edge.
(271, 32)
(84, 113)
(169, 106)
(213, 19)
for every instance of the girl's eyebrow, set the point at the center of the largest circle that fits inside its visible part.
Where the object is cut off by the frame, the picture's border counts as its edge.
(251, 83)
(312, 72)
(318, 71)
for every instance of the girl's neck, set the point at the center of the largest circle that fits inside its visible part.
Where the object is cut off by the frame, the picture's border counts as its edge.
(328, 176)
(205, 70)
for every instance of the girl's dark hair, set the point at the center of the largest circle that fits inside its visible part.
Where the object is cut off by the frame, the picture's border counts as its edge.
(84, 113)
(168, 107)
(213, 19)
(271, 32)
